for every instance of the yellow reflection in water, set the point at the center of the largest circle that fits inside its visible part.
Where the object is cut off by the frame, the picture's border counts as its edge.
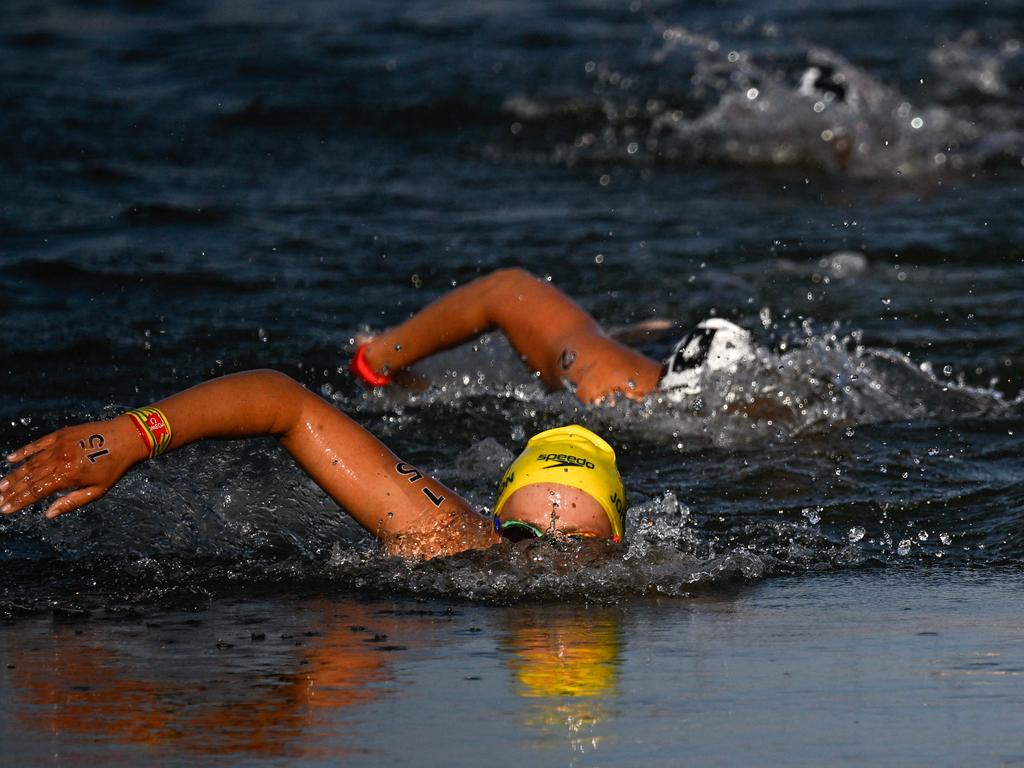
(566, 666)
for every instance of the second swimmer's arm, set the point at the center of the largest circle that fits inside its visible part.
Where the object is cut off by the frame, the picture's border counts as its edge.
(533, 314)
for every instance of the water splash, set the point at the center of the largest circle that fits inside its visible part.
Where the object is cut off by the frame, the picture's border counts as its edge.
(752, 107)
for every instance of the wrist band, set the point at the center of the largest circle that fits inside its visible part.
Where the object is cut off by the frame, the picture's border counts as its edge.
(154, 429)
(362, 369)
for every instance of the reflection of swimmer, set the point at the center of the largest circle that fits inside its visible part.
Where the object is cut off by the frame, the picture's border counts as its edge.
(263, 701)
(565, 665)
(556, 338)
(564, 483)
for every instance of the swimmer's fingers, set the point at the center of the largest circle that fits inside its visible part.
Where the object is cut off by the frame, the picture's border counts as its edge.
(32, 448)
(23, 487)
(90, 457)
(74, 500)
(34, 465)
(37, 480)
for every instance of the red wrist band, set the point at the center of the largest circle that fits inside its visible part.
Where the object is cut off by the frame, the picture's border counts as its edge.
(153, 427)
(362, 369)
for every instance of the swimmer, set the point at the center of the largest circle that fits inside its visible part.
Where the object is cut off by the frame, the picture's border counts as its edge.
(564, 484)
(557, 339)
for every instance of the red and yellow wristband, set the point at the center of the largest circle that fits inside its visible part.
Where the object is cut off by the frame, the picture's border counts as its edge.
(361, 368)
(154, 429)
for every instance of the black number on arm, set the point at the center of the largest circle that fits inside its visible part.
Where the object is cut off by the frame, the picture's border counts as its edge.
(415, 475)
(95, 441)
(410, 471)
(437, 501)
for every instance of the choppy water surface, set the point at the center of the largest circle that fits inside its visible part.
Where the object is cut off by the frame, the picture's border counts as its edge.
(193, 189)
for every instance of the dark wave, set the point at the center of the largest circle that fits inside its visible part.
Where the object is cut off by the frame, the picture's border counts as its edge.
(65, 276)
(168, 214)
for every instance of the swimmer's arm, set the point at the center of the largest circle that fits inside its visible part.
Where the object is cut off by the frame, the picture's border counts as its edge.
(384, 495)
(536, 318)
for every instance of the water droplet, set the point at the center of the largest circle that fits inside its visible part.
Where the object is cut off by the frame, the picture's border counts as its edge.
(887, 301)
(945, 538)
(262, 335)
(856, 533)
(904, 547)
(947, 370)
(812, 515)
(599, 259)
(922, 535)
(398, 347)
(518, 432)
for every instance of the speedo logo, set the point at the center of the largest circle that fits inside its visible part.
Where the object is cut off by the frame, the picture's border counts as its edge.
(564, 460)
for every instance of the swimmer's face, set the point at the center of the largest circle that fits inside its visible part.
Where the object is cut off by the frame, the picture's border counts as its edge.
(558, 509)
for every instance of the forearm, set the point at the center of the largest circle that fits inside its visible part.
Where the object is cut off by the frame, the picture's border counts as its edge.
(455, 318)
(239, 405)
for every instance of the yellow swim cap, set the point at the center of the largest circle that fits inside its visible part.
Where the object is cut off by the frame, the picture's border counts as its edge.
(572, 456)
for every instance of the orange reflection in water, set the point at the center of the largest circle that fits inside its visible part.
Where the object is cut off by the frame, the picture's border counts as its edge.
(244, 696)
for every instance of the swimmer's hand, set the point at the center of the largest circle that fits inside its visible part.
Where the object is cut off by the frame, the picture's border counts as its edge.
(87, 460)
(403, 377)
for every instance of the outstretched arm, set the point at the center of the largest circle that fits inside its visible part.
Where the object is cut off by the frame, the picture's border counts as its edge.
(403, 507)
(554, 336)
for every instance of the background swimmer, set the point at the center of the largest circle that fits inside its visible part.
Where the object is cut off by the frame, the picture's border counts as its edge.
(565, 483)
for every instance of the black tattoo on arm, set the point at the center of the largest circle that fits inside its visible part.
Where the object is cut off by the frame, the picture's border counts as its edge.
(414, 476)
(95, 441)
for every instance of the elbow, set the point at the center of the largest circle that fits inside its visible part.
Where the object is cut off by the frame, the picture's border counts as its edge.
(278, 395)
(290, 395)
(510, 280)
(270, 379)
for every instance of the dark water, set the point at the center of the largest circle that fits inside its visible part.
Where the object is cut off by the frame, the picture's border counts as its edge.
(190, 189)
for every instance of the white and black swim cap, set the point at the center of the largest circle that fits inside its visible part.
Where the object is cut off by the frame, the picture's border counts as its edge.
(714, 346)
